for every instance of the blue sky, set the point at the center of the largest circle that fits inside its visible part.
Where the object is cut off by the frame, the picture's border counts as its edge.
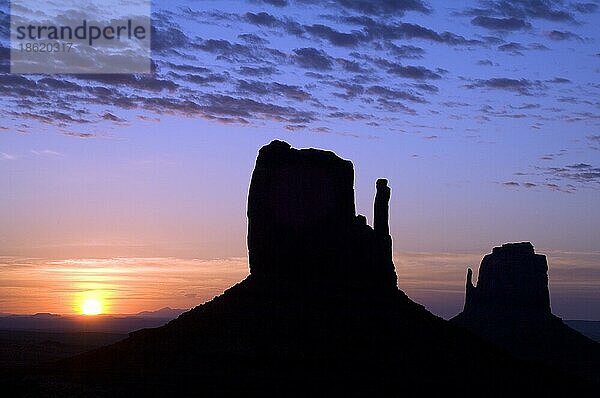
(483, 115)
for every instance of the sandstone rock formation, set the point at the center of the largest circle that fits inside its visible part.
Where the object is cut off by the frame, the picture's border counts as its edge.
(304, 235)
(510, 306)
(512, 287)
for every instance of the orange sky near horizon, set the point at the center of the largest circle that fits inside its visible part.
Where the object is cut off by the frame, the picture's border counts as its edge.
(128, 285)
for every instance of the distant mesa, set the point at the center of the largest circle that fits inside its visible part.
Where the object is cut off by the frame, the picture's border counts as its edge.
(510, 306)
(512, 288)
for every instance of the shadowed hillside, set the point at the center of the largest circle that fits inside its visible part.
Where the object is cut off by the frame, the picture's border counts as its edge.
(320, 312)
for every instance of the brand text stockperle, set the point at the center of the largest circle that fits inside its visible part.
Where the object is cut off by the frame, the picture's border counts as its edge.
(85, 31)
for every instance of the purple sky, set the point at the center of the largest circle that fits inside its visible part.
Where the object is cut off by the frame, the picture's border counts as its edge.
(483, 115)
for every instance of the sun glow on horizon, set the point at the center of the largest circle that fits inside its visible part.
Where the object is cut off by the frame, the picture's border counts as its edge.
(91, 306)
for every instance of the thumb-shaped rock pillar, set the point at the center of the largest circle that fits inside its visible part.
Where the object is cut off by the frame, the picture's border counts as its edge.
(381, 210)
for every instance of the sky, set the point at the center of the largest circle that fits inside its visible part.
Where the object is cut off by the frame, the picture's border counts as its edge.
(483, 115)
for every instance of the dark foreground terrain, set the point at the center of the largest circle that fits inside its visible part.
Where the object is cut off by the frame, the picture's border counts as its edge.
(320, 314)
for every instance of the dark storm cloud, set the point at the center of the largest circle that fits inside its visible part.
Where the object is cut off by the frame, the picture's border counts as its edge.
(559, 35)
(311, 58)
(500, 23)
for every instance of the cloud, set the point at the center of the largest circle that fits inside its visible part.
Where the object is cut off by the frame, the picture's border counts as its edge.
(351, 66)
(276, 3)
(375, 30)
(335, 37)
(485, 62)
(257, 71)
(585, 8)
(409, 71)
(512, 48)
(272, 89)
(392, 94)
(46, 152)
(111, 117)
(414, 72)
(580, 166)
(377, 7)
(511, 184)
(550, 10)
(239, 53)
(7, 156)
(251, 38)
(311, 58)
(262, 19)
(521, 86)
(560, 35)
(385, 7)
(426, 87)
(224, 105)
(79, 135)
(352, 90)
(406, 51)
(559, 80)
(500, 23)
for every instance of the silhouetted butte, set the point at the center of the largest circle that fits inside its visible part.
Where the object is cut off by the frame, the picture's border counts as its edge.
(510, 306)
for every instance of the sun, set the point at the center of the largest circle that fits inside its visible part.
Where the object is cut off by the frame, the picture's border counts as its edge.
(91, 306)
